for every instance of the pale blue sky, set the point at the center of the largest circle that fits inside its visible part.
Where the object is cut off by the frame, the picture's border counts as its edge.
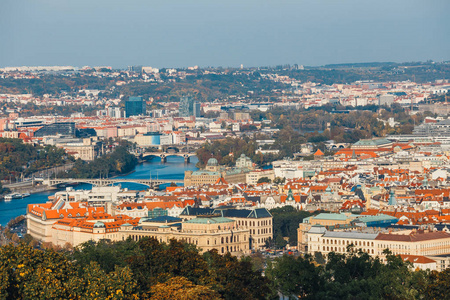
(181, 33)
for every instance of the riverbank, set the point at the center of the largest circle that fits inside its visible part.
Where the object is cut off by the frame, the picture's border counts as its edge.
(28, 187)
(36, 189)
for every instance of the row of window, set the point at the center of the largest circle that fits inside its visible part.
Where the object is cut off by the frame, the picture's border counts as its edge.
(231, 249)
(341, 242)
(223, 240)
(342, 249)
(261, 231)
(254, 223)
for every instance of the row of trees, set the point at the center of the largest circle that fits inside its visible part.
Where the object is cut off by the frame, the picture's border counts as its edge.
(355, 275)
(17, 158)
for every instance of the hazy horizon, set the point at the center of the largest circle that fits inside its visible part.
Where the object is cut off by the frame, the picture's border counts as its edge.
(221, 33)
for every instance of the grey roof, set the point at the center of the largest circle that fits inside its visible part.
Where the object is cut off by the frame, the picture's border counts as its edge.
(211, 220)
(444, 122)
(204, 172)
(380, 217)
(372, 142)
(163, 219)
(350, 235)
(196, 211)
(333, 216)
(244, 213)
(317, 229)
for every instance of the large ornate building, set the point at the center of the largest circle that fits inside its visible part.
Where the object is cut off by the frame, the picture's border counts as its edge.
(206, 232)
(258, 221)
(200, 177)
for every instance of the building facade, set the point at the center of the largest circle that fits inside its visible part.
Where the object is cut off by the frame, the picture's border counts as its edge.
(135, 106)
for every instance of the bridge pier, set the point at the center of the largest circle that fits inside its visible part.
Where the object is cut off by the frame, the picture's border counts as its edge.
(163, 159)
(187, 159)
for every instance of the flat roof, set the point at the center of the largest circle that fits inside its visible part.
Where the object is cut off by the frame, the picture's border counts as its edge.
(350, 235)
(214, 220)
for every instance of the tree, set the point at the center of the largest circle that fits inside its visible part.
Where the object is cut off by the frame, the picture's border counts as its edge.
(285, 223)
(95, 283)
(263, 180)
(235, 279)
(156, 262)
(179, 288)
(280, 242)
(279, 180)
(105, 253)
(438, 286)
(295, 277)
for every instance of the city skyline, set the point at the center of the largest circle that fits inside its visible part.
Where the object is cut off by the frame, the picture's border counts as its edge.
(225, 34)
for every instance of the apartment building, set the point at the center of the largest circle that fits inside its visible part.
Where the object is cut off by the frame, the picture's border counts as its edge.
(407, 242)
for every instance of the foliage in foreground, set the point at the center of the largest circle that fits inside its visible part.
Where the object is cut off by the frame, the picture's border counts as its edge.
(127, 270)
(355, 275)
(151, 270)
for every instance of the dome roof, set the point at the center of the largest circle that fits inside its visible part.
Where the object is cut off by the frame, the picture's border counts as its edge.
(99, 224)
(212, 162)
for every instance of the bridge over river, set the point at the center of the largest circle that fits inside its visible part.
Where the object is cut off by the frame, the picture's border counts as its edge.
(163, 155)
(108, 181)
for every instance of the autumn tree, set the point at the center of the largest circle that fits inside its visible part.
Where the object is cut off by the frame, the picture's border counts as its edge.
(179, 288)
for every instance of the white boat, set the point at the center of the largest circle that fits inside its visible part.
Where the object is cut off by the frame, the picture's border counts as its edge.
(26, 195)
(9, 197)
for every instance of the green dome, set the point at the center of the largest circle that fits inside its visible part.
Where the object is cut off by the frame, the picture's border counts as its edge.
(99, 224)
(212, 162)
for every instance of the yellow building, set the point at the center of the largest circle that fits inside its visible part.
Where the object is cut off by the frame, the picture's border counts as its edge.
(258, 221)
(321, 219)
(207, 233)
(207, 176)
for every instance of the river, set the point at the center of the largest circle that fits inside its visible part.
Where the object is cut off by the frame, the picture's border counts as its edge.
(173, 169)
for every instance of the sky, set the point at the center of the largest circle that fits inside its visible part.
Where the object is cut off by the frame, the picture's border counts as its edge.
(183, 33)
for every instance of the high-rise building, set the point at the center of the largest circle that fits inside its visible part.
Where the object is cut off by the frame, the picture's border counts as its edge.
(114, 112)
(134, 106)
(137, 69)
(186, 108)
(197, 109)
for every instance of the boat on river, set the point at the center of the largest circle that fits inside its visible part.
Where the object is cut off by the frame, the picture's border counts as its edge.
(10, 197)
